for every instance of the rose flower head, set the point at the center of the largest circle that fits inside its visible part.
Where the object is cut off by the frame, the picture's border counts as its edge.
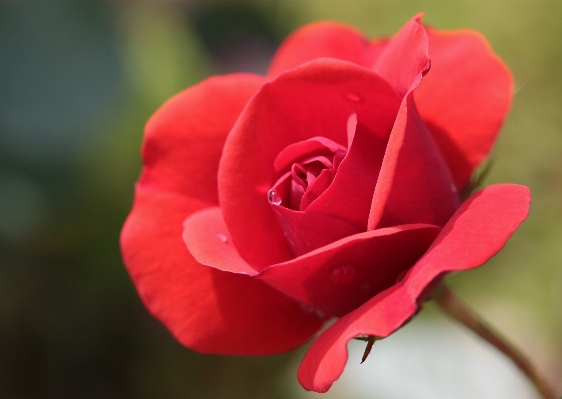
(328, 188)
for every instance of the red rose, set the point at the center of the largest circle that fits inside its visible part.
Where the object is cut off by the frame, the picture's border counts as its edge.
(328, 188)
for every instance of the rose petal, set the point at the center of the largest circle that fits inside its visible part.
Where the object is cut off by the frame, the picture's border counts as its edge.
(339, 277)
(325, 359)
(464, 99)
(405, 58)
(325, 40)
(474, 234)
(308, 231)
(184, 138)
(350, 194)
(477, 231)
(205, 309)
(414, 184)
(312, 100)
(320, 185)
(304, 149)
(209, 242)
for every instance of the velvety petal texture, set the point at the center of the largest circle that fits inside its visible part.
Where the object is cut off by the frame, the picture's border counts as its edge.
(339, 277)
(306, 231)
(315, 99)
(414, 184)
(329, 188)
(405, 58)
(477, 231)
(184, 136)
(206, 309)
(350, 194)
(464, 99)
(209, 242)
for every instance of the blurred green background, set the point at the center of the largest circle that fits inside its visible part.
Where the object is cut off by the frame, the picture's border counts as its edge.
(78, 80)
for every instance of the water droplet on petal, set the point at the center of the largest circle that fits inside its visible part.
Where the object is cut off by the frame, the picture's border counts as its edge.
(352, 96)
(274, 198)
(222, 237)
(402, 275)
(453, 188)
(365, 286)
(342, 273)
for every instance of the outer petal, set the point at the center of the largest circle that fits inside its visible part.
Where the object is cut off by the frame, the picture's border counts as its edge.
(464, 99)
(475, 233)
(209, 242)
(315, 99)
(405, 59)
(414, 184)
(325, 40)
(184, 138)
(339, 277)
(205, 309)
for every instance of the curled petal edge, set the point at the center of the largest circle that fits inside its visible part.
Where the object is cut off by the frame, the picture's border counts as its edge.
(476, 232)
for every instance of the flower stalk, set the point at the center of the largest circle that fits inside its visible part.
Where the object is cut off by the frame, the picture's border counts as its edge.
(459, 311)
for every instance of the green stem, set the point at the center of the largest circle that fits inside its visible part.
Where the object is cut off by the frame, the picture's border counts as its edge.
(460, 312)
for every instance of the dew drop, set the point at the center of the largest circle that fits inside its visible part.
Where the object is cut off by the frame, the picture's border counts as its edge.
(401, 276)
(365, 286)
(453, 188)
(342, 273)
(222, 237)
(352, 96)
(274, 197)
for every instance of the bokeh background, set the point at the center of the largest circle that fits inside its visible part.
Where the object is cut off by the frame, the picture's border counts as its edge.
(78, 80)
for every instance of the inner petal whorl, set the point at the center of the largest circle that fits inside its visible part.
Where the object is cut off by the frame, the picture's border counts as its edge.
(307, 167)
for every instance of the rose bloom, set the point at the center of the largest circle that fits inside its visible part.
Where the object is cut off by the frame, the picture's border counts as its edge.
(328, 188)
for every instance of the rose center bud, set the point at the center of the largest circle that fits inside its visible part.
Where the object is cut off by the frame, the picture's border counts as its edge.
(305, 171)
